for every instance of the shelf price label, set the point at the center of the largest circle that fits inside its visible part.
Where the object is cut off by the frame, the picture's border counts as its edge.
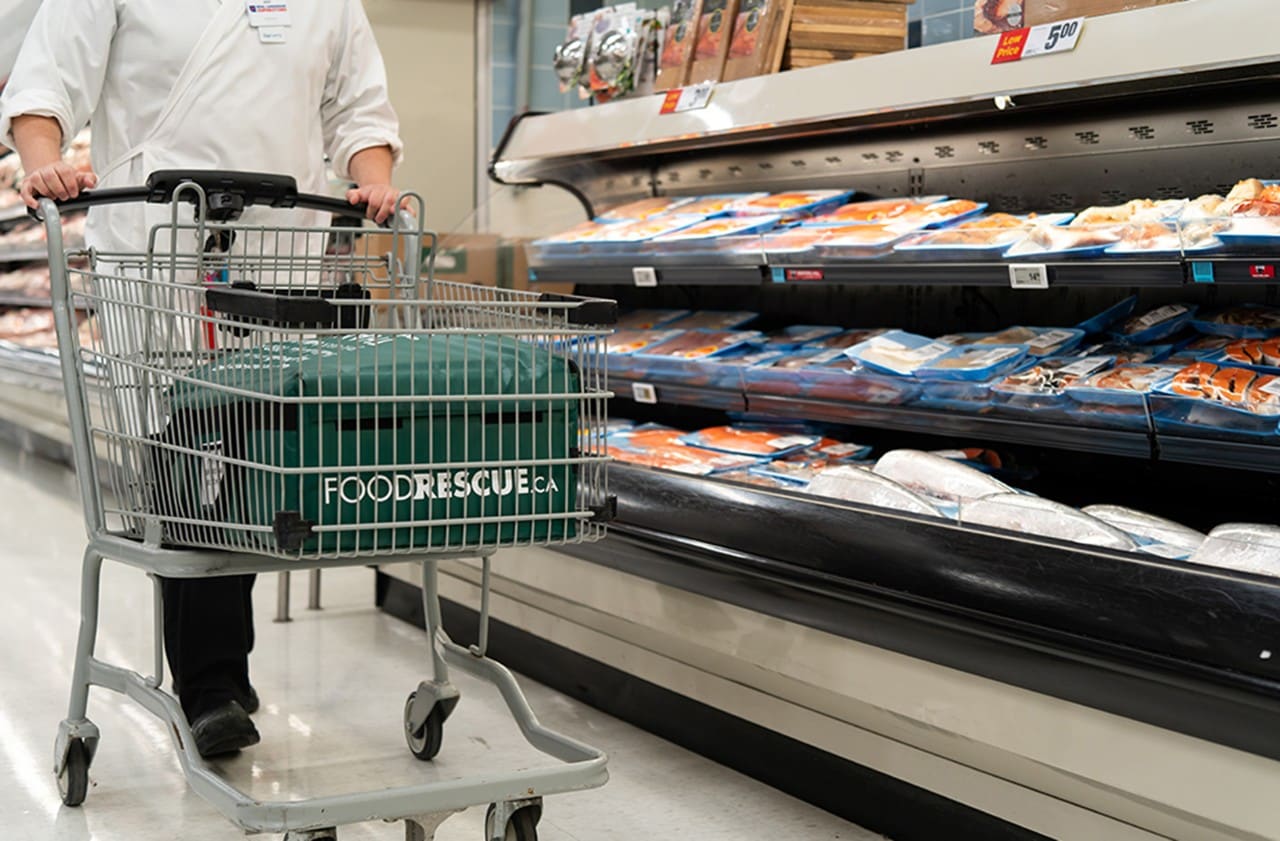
(644, 393)
(691, 98)
(1029, 42)
(644, 276)
(1029, 276)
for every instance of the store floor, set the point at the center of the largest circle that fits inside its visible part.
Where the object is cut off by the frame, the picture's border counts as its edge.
(332, 686)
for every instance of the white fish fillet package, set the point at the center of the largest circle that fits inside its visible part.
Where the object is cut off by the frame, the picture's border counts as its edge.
(1175, 540)
(938, 478)
(1043, 517)
(1242, 546)
(857, 484)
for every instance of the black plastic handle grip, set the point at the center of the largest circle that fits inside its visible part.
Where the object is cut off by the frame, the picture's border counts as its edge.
(268, 308)
(224, 191)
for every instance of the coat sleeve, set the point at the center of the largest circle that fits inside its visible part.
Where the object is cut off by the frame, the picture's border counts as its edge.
(61, 66)
(356, 110)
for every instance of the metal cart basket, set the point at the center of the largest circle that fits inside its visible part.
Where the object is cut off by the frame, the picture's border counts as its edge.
(254, 398)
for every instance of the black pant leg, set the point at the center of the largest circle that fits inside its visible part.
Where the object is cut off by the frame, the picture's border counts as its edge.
(208, 632)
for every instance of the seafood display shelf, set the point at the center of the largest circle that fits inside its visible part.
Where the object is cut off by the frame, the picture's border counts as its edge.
(1232, 269)
(31, 253)
(1147, 445)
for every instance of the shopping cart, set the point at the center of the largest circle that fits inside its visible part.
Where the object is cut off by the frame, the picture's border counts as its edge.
(278, 398)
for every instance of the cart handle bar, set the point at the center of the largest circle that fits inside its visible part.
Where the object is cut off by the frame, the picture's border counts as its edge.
(227, 194)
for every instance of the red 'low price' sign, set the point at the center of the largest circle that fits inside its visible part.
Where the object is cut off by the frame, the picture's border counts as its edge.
(1032, 41)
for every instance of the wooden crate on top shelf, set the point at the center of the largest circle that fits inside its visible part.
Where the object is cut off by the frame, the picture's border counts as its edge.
(823, 31)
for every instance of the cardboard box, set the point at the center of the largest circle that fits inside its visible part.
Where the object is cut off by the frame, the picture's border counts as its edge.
(759, 37)
(844, 28)
(468, 258)
(1036, 12)
(712, 47)
(513, 271)
(678, 42)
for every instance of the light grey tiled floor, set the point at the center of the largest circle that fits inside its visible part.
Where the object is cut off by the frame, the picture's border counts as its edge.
(332, 685)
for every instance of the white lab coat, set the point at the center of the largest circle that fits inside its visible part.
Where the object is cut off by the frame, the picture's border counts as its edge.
(174, 84)
(15, 17)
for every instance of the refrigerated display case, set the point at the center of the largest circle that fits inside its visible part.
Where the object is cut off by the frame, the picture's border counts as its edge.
(931, 677)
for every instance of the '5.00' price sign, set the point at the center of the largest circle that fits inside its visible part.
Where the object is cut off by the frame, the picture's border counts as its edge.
(1060, 37)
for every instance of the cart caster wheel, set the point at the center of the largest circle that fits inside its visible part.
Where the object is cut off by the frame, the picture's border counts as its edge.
(521, 826)
(425, 743)
(73, 782)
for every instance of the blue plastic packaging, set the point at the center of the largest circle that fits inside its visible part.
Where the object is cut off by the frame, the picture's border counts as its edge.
(798, 335)
(1159, 323)
(1245, 321)
(1105, 320)
(897, 352)
(974, 363)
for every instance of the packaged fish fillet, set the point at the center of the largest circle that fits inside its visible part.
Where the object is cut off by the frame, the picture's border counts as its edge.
(638, 211)
(859, 485)
(767, 443)
(1105, 320)
(700, 344)
(937, 478)
(711, 229)
(656, 446)
(716, 320)
(719, 205)
(1157, 324)
(991, 232)
(644, 230)
(792, 204)
(1051, 376)
(1240, 389)
(897, 352)
(623, 342)
(1250, 353)
(792, 241)
(1247, 321)
(797, 473)
(973, 363)
(1039, 341)
(1127, 354)
(1147, 529)
(872, 212)
(852, 238)
(1200, 349)
(790, 338)
(649, 319)
(578, 234)
(1117, 384)
(1242, 546)
(1045, 518)
(848, 338)
(761, 479)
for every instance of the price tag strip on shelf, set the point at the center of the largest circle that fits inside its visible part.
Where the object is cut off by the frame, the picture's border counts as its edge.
(1029, 276)
(1046, 39)
(644, 393)
(691, 98)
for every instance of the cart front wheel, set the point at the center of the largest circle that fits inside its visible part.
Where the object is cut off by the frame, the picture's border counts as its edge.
(521, 826)
(425, 742)
(73, 781)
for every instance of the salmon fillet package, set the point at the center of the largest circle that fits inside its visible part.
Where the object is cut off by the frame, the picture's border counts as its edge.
(759, 36)
(711, 49)
(764, 443)
(676, 58)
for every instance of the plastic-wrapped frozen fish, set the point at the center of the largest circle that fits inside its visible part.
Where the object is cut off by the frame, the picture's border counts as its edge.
(1176, 540)
(857, 484)
(1244, 546)
(938, 478)
(1043, 517)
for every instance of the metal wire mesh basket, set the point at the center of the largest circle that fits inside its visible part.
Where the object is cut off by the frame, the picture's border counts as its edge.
(313, 392)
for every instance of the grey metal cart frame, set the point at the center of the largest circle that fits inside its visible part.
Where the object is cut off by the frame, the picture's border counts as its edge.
(125, 527)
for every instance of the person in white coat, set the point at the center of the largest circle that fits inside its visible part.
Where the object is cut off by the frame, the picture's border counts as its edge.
(202, 84)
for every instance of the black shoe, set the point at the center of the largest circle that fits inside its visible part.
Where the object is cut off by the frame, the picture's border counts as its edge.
(250, 702)
(224, 730)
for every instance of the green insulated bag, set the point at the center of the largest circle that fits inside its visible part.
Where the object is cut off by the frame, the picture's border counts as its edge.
(362, 443)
